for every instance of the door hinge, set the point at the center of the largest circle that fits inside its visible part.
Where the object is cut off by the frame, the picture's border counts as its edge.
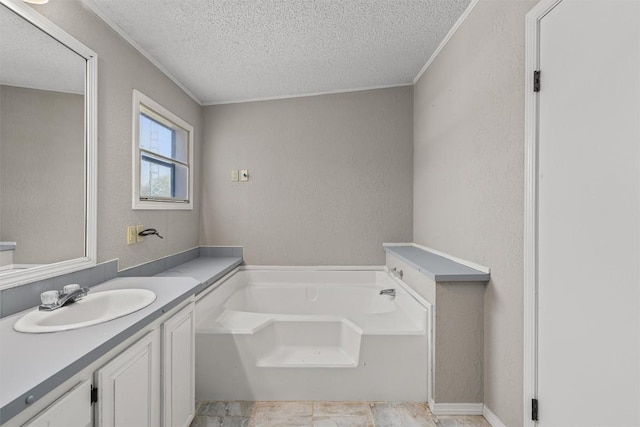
(536, 81)
(94, 394)
(534, 409)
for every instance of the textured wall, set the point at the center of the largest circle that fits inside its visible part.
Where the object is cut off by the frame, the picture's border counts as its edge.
(458, 342)
(330, 177)
(468, 181)
(120, 70)
(42, 174)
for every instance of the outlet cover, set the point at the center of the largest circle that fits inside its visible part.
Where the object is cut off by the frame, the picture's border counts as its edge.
(244, 175)
(234, 175)
(139, 238)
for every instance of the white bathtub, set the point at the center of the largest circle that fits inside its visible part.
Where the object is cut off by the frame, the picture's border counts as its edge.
(310, 335)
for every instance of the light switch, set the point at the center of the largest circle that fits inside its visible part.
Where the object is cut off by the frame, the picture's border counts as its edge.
(131, 235)
(234, 175)
(244, 175)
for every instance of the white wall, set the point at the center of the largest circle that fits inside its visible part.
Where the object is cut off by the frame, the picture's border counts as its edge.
(468, 177)
(121, 69)
(330, 177)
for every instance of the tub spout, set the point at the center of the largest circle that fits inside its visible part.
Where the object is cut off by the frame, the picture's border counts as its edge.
(395, 272)
(391, 292)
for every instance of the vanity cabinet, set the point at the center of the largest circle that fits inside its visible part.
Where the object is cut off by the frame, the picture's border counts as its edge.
(151, 383)
(178, 369)
(73, 409)
(129, 386)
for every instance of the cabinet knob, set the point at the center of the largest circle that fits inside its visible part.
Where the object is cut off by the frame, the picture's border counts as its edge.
(30, 399)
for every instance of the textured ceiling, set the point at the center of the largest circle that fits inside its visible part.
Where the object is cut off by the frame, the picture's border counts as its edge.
(30, 58)
(233, 50)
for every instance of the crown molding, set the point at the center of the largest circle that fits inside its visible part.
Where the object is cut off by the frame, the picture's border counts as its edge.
(304, 95)
(446, 39)
(115, 27)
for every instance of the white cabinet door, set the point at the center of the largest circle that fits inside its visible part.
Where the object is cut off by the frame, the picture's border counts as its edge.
(178, 368)
(73, 409)
(129, 386)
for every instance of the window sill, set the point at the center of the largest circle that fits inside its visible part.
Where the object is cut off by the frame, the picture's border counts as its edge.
(162, 206)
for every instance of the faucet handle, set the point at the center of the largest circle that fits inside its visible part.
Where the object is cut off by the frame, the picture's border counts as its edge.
(49, 297)
(70, 288)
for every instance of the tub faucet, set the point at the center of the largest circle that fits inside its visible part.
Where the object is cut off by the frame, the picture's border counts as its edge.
(391, 292)
(395, 272)
(53, 300)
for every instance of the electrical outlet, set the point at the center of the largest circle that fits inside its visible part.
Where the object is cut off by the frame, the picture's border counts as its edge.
(244, 175)
(139, 238)
(234, 175)
(131, 235)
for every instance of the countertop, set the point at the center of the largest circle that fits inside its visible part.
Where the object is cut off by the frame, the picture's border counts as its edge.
(205, 270)
(34, 364)
(437, 267)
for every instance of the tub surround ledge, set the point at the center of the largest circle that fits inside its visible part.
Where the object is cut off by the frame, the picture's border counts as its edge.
(455, 289)
(436, 265)
(7, 246)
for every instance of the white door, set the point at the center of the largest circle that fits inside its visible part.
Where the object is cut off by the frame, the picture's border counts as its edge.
(178, 369)
(589, 215)
(129, 386)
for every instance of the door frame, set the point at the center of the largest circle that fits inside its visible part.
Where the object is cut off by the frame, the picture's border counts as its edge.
(532, 63)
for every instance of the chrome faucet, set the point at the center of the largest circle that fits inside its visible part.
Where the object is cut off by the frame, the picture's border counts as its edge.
(53, 300)
(395, 272)
(391, 292)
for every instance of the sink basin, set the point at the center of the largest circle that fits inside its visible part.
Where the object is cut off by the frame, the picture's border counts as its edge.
(94, 308)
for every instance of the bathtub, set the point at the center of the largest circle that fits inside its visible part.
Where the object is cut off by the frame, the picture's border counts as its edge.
(309, 334)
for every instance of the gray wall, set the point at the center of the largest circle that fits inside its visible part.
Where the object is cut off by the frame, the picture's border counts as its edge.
(42, 174)
(120, 70)
(468, 181)
(330, 177)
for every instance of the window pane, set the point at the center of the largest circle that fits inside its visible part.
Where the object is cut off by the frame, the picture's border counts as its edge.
(181, 152)
(157, 178)
(156, 137)
(181, 179)
(162, 136)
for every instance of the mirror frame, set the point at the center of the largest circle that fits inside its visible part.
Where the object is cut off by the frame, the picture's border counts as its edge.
(46, 271)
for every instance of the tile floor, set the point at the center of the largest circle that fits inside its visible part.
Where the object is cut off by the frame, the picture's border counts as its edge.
(326, 414)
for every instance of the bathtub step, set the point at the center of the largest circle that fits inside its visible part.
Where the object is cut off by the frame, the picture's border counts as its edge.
(289, 356)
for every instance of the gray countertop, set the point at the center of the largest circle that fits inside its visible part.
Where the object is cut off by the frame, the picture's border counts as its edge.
(7, 246)
(34, 364)
(439, 268)
(206, 270)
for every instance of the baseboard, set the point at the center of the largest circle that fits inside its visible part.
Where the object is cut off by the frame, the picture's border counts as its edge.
(456, 408)
(465, 409)
(491, 417)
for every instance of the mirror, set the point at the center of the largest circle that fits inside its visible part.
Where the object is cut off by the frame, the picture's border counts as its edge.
(47, 148)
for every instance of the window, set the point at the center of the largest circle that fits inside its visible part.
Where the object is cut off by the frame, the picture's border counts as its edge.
(163, 157)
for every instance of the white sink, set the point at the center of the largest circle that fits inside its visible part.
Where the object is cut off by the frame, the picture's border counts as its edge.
(94, 308)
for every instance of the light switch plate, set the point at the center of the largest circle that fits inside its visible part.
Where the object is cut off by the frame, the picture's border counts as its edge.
(131, 235)
(234, 175)
(244, 175)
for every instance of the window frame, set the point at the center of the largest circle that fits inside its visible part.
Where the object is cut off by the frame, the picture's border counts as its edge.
(170, 120)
